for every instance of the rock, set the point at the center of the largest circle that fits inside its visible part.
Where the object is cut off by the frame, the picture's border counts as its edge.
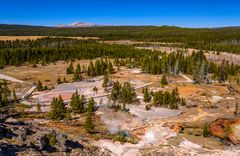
(193, 131)
(177, 127)
(93, 151)
(11, 120)
(3, 118)
(2, 131)
(164, 154)
(6, 149)
(235, 136)
(43, 142)
(5, 132)
(36, 140)
(22, 134)
(158, 153)
(30, 152)
(226, 129)
(61, 142)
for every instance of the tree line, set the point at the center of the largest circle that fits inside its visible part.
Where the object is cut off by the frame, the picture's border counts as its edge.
(6, 95)
(166, 99)
(216, 39)
(195, 64)
(48, 50)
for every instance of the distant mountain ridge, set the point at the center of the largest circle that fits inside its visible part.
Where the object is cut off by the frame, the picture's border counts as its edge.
(79, 24)
(86, 24)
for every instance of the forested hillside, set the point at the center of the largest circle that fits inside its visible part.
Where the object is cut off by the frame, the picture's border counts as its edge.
(219, 39)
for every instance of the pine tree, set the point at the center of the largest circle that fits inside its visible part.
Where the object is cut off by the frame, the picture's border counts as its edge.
(147, 97)
(39, 110)
(39, 86)
(236, 109)
(101, 101)
(5, 94)
(195, 73)
(147, 107)
(206, 132)
(95, 89)
(105, 81)
(110, 67)
(223, 74)
(1, 101)
(91, 105)
(78, 68)
(88, 125)
(82, 104)
(77, 72)
(183, 102)
(58, 80)
(68, 115)
(127, 93)
(164, 80)
(91, 69)
(58, 109)
(73, 102)
(124, 107)
(70, 69)
(15, 99)
(64, 80)
(115, 93)
(77, 103)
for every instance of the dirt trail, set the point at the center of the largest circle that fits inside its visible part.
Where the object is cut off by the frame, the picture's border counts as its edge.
(2, 76)
(187, 78)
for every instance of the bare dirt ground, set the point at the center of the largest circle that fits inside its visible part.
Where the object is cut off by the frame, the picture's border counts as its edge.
(12, 38)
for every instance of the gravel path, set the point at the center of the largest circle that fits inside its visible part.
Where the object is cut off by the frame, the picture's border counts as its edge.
(154, 113)
(187, 78)
(2, 76)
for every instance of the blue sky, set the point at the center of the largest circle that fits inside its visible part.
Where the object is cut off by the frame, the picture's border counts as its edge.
(185, 13)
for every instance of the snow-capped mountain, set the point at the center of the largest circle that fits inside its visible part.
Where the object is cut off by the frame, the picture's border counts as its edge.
(79, 24)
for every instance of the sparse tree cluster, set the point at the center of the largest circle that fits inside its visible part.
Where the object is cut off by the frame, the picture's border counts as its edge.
(78, 103)
(100, 67)
(40, 86)
(58, 109)
(77, 72)
(195, 64)
(70, 68)
(5, 94)
(167, 99)
(123, 93)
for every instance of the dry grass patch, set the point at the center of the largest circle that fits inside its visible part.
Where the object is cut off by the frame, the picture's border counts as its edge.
(12, 38)
(47, 74)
